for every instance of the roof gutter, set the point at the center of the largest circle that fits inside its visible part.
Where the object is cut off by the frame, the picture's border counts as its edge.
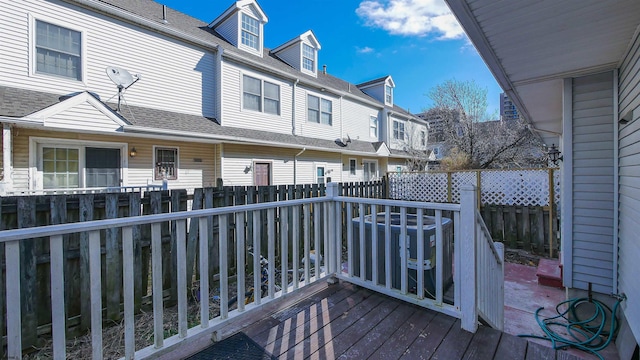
(232, 139)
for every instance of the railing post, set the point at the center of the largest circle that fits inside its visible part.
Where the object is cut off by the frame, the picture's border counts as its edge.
(467, 267)
(332, 192)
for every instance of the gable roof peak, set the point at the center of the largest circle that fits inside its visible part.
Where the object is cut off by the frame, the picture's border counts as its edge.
(238, 6)
(377, 81)
(306, 35)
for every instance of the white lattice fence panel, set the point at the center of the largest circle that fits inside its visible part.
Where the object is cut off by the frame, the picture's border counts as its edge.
(458, 179)
(556, 186)
(515, 187)
(429, 187)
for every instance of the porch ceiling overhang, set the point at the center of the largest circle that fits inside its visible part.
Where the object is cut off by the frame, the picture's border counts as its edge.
(530, 46)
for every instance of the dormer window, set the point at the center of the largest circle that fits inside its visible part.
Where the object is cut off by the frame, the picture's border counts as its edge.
(388, 94)
(308, 57)
(250, 32)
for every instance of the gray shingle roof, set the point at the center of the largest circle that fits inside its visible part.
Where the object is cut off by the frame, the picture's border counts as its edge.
(176, 20)
(17, 103)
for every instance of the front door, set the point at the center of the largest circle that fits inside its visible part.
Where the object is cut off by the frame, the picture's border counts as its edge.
(102, 167)
(262, 174)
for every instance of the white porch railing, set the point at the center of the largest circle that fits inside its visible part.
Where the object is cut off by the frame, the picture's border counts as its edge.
(370, 261)
(91, 190)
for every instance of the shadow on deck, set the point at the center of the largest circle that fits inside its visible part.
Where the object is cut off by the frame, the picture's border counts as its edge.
(344, 321)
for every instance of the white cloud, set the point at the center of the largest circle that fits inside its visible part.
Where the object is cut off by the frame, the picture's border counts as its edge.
(412, 17)
(364, 50)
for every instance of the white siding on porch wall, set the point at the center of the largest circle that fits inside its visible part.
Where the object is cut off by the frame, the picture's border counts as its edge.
(592, 162)
(629, 174)
(188, 88)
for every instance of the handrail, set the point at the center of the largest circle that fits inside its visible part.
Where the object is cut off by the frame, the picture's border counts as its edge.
(484, 229)
(401, 203)
(90, 190)
(62, 229)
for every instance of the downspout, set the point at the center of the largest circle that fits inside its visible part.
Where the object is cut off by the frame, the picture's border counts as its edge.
(293, 111)
(616, 185)
(295, 165)
(219, 52)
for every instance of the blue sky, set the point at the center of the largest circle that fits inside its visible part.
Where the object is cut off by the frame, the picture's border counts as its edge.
(417, 42)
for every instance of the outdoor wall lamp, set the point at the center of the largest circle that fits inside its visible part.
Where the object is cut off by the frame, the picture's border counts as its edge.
(554, 154)
(133, 153)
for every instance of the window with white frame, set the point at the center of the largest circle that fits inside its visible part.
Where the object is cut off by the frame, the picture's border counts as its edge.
(352, 166)
(250, 32)
(308, 58)
(423, 138)
(253, 99)
(319, 110)
(166, 163)
(320, 175)
(398, 130)
(60, 167)
(388, 94)
(373, 126)
(58, 51)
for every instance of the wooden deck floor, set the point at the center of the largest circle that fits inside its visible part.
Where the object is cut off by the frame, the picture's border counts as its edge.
(346, 322)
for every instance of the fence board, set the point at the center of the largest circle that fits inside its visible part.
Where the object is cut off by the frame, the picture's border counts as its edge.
(28, 285)
(113, 266)
(192, 240)
(136, 234)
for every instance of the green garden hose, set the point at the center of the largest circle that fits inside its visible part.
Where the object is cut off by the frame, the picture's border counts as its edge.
(585, 334)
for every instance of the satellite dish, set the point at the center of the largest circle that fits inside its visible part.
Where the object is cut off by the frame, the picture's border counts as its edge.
(123, 80)
(120, 77)
(346, 140)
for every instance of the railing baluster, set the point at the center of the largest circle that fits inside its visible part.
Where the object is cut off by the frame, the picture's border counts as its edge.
(404, 251)
(128, 292)
(14, 321)
(257, 273)
(203, 242)
(156, 287)
(271, 230)
(284, 240)
(307, 244)
(223, 239)
(361, 242)
(96, 294)
(58, 313)
(457, 274)
(181, 275)
(374, 244)
(295, 238)
(240, 257)
(439, 257)
(326, 257)
(387, 245)
(336, 247)
(317, 212)
(350, 262)
(420, 247)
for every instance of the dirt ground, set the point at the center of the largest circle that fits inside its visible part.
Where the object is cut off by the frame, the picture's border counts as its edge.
(522, 257)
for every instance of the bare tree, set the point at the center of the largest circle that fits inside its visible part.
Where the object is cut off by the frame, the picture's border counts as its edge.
(468, 133)
(416, 137)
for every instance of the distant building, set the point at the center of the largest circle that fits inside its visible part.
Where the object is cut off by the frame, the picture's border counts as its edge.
(508, 110)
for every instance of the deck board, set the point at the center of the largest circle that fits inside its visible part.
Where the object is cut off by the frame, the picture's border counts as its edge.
(347, 322)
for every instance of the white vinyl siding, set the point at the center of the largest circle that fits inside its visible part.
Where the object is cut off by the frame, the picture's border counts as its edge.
(82, 117)
(593, 182)
(629, 182)
(238, 157)
(228, 29)
(357, 120)
(107, 41)
(58, 50)
(197, 160)
(233, 112)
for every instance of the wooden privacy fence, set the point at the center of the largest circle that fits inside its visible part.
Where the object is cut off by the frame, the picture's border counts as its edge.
(30, 211)
(519, 207)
